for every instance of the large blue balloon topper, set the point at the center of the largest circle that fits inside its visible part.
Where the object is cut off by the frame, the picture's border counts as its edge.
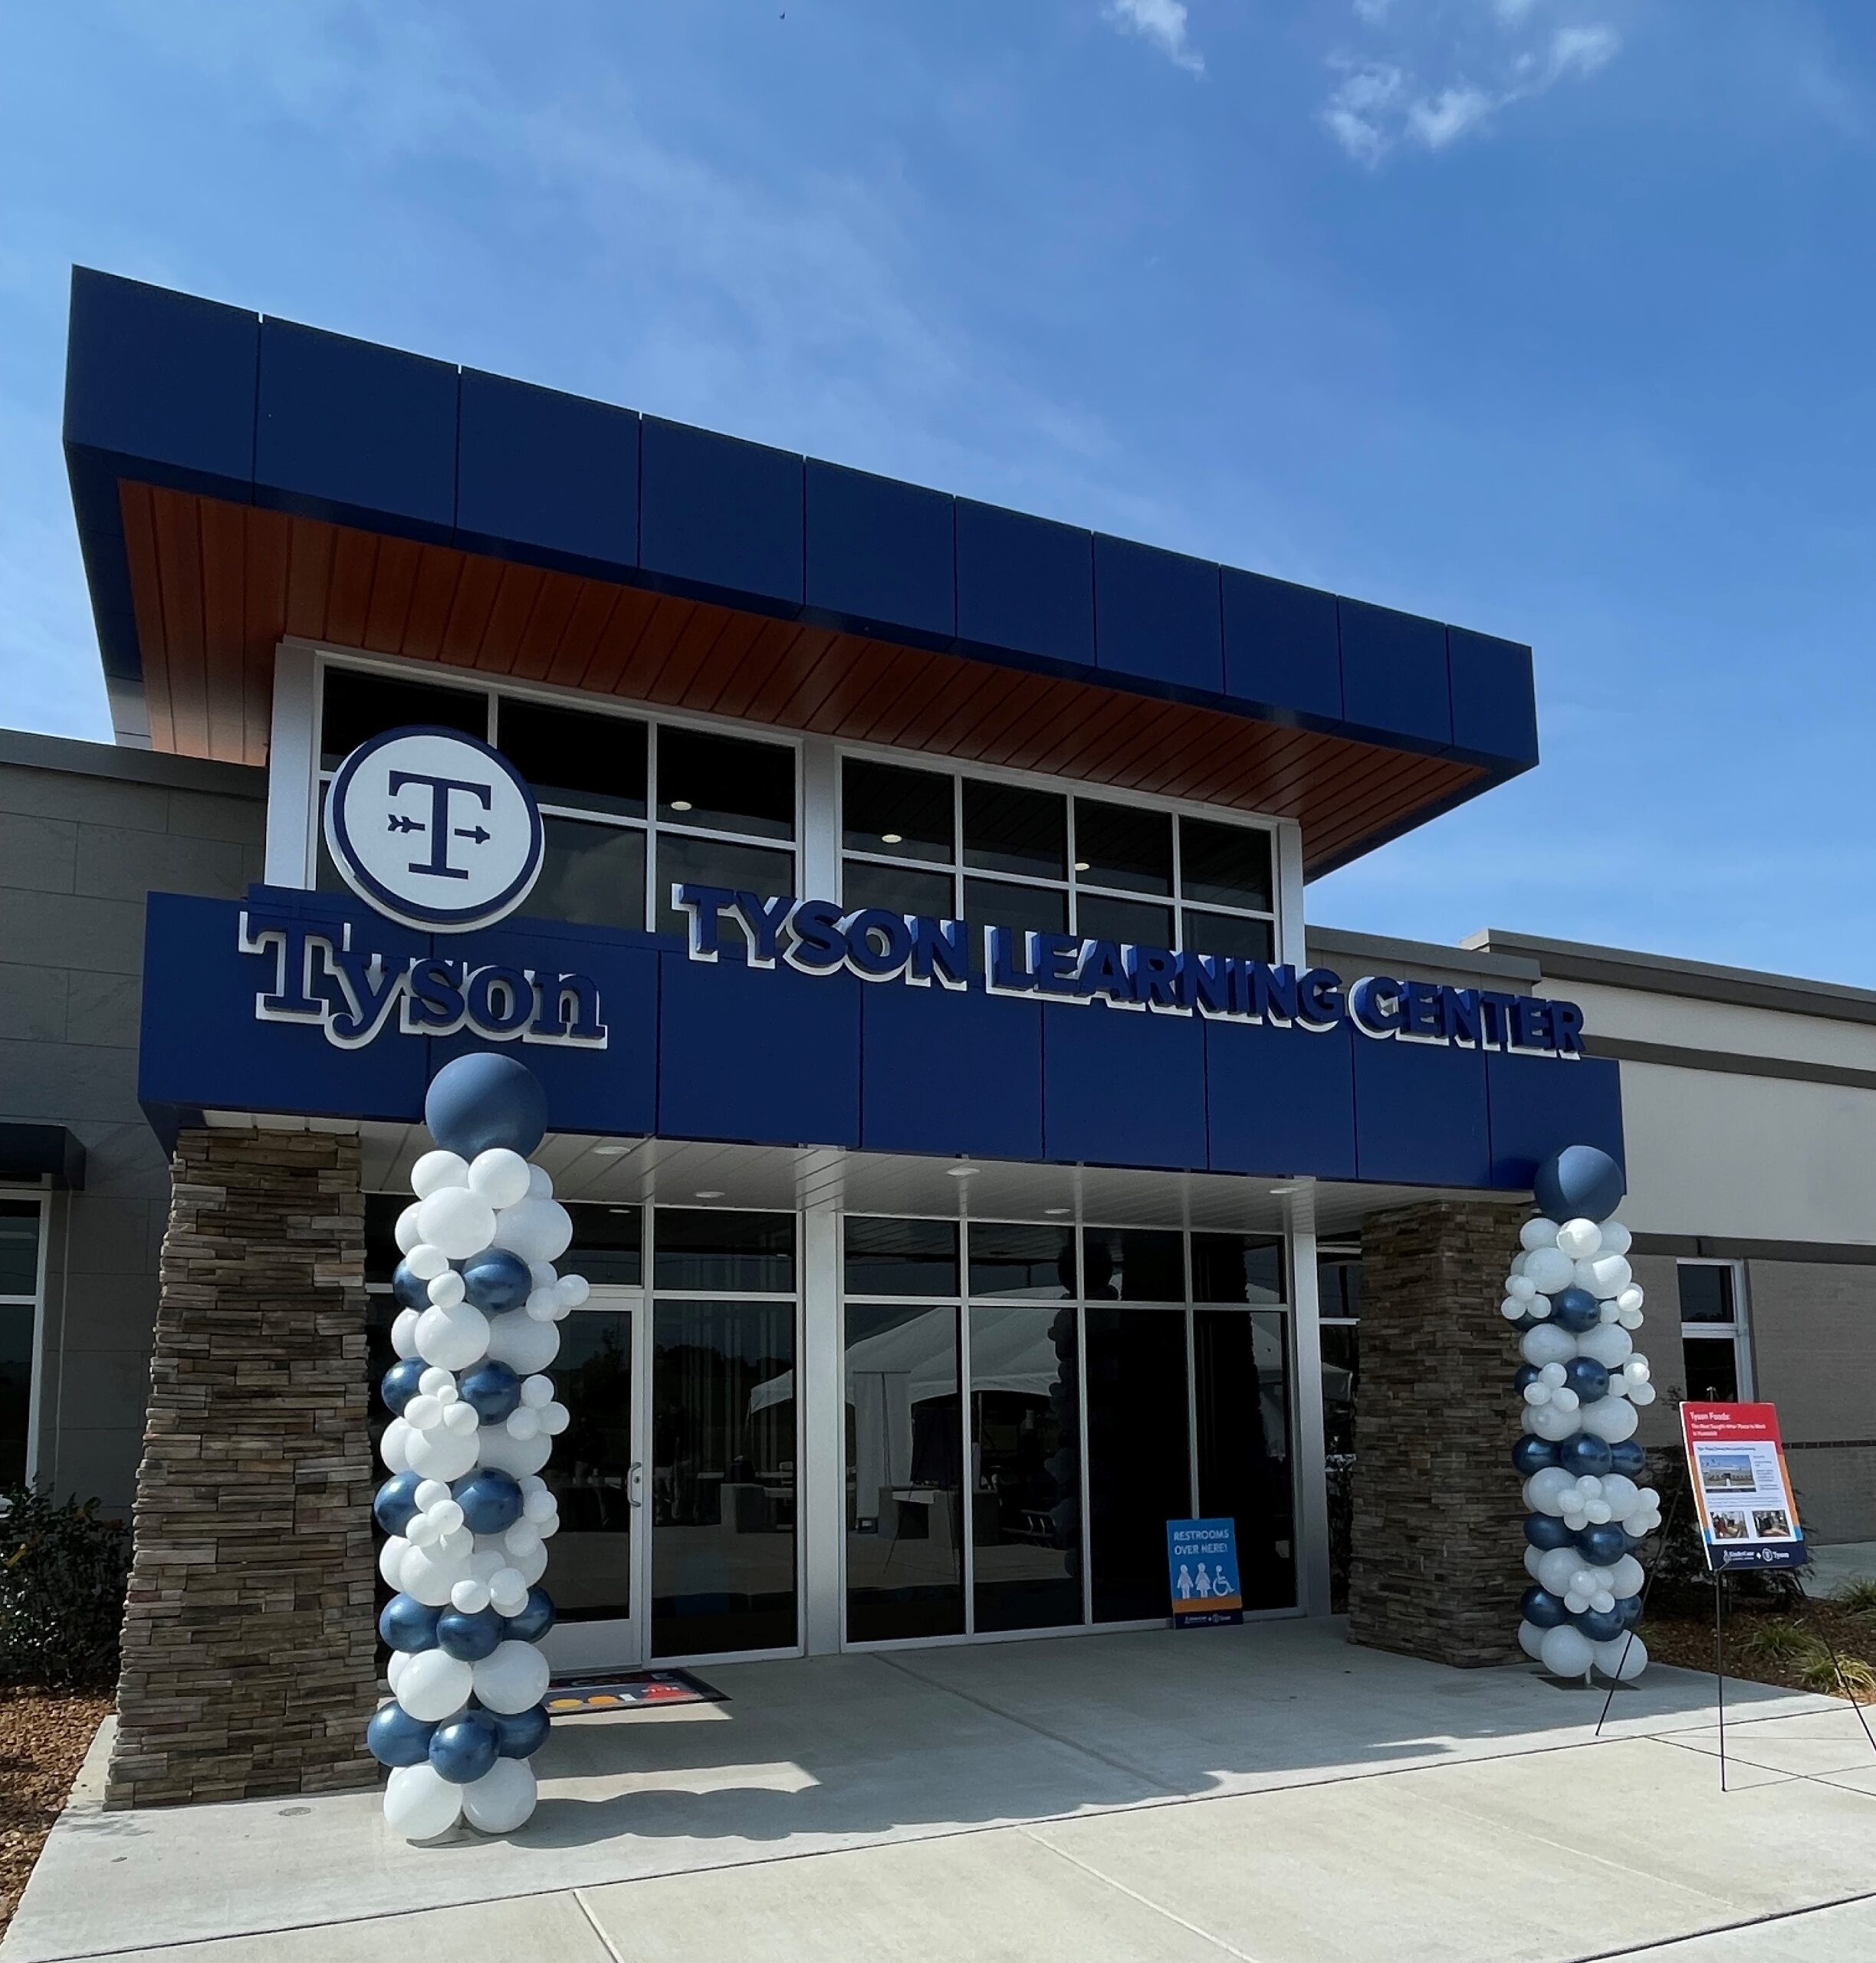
(1580, 1182)
(485, 1099)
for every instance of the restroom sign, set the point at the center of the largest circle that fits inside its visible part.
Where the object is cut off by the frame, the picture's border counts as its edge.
(434, 830)
(1202, 1573)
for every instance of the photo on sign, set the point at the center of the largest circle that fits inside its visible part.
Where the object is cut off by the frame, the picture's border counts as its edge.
(1729, 1527)
(1771, 1524)
(1727, 1471)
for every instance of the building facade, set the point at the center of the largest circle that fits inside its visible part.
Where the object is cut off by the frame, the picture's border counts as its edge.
(931, 1277)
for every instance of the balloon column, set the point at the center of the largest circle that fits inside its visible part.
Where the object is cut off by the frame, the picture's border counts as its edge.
(473, 1422)
(1571, 1293)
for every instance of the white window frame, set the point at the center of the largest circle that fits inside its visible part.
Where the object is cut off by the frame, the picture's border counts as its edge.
(1739, 1330)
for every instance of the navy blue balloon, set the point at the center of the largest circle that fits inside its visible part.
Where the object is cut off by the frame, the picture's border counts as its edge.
(497, 1281)
(491, 1390)
(1588, 1379)
(396, 1502)
(1629, 1608)
(478, 1102)
(407, 1625)
(1630, 1458)
(1580, 1182)
(463, 1749)
(1533, 1454)
(1547, 1531)
(1584, 1457)
(1527, 1374)
(1600, 1624)
(519, 1734)
(531, 1623)
(1539, 1606)
(400, 1383)
(408, 1290)
(468, 1638)
(395, 1737)
(490, 1500)
(1603, 1546)
(1575, 1309)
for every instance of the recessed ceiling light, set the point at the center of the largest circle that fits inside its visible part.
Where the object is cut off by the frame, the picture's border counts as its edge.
(892, 838)
(1081, 865)
(680, 803)
(1055, 1209)
(609, 1151)
(962, 1172)
(714, 1193)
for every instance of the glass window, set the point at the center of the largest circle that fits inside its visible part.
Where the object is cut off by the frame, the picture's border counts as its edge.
(907, 814)
(715, 862)
(1241, 1386)
(723, 1476)
(16, 1390)
(726, 783)
(1124, 846)
(1228, 934)
(593, 874)
(1340, 1361)
(381, 1254)
(1338, 1281)
(1138, 1463)
(1706, 1292)
(360, 704)
(1228, 864)
(904, 1473)
(1133, 1264)
(898, 889)
(900, 1257)
(1024, 1263)
(571, 756)
(609, 1244)
(1009, 828)
(1713, 1369)
(1098, 917)
(718, 1249)
(19, 1247)
(1237, 1268)
(990, 903)
(590, 1472)
(1026, 1490)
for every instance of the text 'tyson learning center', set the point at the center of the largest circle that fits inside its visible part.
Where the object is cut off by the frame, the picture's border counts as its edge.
(972, 1154)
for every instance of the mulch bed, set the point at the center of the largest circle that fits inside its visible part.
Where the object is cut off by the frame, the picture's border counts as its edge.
(1678, 1628)
(44, 1736)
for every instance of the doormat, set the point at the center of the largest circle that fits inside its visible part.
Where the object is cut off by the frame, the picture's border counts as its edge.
(630, 1690)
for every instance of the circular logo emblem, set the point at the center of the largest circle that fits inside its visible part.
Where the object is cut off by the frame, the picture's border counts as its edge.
(434, 830)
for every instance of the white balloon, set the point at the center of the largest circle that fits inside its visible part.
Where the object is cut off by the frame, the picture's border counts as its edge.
(394, 1447)
(1532, 1557)
(543, 1305)
(499, 1176)
(442, 1454)
(507, 1591)
(1641, 1393)
(1612, 1418)
(1622, 1494)
(1606, 1275)
(1579, 1239)
(458, 1221)
(452, 1338)
(470, 1596)
(1550, 1269)
(1544, 1490)
(512, 1678)
(460, 1418)
(1630, 1297)
(1558, 1570)
(573, 1290)
(524, 1345)
(530, 1567)
(1538, 1233)
(1522, 1286)
(1626, 1577)
(420, 1804)
(404, 1333)
(423, 1414)
(1555, 1423)
(431, 1492)
(429, 1573)
(424, 1531)
(1512, 1309)
(502, 1799)
(523, 1424)
(1531, 1640)
(448, 1515)
(1616, 1237)
(536, 1229)
(435, 1685)
(448, 1289)
(390, 1559)
(1549, 1345)
(435, 1170)
(521, 1539)
(425, 1261)
(542, 1274)
(539, 1183)
(1565, 1399)
(1566, 1652)
(512, 1455)
(405, 1233)
(538, 1391)
(1624, 1658)
(1611, 1347)
(394, 1669)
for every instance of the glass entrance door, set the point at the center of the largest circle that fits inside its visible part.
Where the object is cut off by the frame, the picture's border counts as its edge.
(595, 1563)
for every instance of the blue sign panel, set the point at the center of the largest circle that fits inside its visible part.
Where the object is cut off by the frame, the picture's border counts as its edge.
(1202, 1573)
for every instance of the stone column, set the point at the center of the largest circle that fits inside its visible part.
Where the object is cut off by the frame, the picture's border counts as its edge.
(249, 1659)
(1437, 1548)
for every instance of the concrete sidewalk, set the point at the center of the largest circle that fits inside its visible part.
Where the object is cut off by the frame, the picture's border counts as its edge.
(1268, 1793)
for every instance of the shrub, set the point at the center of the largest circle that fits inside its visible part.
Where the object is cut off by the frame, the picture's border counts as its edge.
(1840, 1676)
(1783, 1642)
(63, 1574)
(1859, 1597)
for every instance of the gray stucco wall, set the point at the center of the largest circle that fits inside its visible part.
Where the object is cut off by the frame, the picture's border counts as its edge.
(86, 832)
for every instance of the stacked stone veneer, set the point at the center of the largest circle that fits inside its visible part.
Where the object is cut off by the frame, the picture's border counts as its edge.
(248, 1642)
(1437, 1546)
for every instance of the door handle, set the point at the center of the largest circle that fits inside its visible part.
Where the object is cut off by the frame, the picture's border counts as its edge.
(635, 1491)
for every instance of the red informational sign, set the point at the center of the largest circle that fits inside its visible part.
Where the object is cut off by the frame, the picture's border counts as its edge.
(1736, 1466)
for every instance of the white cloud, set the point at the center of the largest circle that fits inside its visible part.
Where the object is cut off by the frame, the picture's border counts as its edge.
(1445, 75)
(1163, 22)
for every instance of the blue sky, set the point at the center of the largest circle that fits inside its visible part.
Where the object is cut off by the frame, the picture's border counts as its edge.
(1548, 317)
